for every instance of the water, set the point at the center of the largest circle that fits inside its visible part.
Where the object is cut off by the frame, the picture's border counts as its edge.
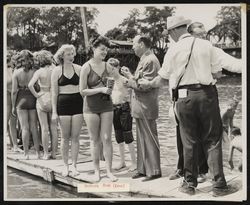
(34, 187)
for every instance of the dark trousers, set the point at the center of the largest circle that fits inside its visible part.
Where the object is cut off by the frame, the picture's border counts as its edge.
(202, 161)
(200, 123)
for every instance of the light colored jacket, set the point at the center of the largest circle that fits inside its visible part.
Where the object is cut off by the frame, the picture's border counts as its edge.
(144, 102)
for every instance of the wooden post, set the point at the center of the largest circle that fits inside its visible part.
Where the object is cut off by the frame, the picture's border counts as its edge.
(84, 26)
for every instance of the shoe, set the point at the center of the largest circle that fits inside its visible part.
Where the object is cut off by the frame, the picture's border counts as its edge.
(201, 178)
(220, 191)
(138, 175)
(178, 174)
(149, 178)
(184, 188)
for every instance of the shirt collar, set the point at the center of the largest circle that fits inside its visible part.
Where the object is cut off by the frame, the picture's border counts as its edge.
(184, 35)
(148, 52)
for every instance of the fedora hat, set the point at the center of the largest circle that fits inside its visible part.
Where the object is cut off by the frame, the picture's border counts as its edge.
(176, 21)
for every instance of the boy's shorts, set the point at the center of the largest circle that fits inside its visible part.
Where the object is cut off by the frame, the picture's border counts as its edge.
(122, 122)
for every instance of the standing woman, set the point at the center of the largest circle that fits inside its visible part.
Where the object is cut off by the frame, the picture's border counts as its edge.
(67, 103)
(11, 120)
(24, 103)
(98, 107)
(43, 104)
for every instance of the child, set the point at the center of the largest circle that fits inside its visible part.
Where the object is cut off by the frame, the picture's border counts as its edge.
(122, 117)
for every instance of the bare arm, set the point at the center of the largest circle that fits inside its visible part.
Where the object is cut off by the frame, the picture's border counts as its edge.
(32, 82)
(14, 91)
(83, 87)
(54, 89)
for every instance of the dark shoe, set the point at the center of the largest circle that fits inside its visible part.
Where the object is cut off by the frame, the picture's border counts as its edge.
(178, 174)
(149, 178)
(201, 178)
(138, 175)
(184, 188)
(220, 191)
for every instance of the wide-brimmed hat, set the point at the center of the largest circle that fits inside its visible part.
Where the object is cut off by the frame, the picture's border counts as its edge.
(176, 21)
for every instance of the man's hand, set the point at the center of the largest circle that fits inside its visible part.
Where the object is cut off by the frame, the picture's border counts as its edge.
(144, 84)
(126, 72)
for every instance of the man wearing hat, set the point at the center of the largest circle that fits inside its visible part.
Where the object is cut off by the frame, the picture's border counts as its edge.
(190, 63)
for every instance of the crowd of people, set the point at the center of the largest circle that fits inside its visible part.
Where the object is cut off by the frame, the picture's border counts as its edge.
(45, 91)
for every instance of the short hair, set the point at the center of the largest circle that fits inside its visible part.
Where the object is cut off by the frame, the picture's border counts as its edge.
(191, 27)
(146, 40)
(114, 62)
(44, 57)
(60, 52)
(26, 54)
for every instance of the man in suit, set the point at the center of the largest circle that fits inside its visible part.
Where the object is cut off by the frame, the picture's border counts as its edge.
(144, 107)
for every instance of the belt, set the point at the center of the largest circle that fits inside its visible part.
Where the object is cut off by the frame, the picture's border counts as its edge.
(195, 86)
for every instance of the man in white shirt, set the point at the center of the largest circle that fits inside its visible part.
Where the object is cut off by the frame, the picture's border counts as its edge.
(227, 61)
(193, 61)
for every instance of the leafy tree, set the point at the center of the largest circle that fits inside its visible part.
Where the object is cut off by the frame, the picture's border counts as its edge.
(228, 23)
(35, 28)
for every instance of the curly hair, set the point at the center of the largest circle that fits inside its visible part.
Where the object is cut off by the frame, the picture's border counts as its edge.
(97, 41)
(60, 52)
(44, 57)
(27, 55)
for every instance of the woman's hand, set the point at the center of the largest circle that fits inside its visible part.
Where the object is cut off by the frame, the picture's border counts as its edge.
(54, 117)
(105, 90)
(39, 94)
(14, 111)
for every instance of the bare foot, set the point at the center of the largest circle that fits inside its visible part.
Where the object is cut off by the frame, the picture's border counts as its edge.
(46, 157)
(112, 177)
(96, 177)
(74, 171)
(132, 168)
(65, 171)
(26, 156)
(17, 149)
(37, 155)
(120, 166)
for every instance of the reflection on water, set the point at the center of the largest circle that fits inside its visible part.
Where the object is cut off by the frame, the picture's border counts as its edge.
(33, 187)
(24, 186)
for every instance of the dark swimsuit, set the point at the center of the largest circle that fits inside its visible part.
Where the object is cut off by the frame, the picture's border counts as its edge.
(69, 104)
(25, 99)
(99, 102)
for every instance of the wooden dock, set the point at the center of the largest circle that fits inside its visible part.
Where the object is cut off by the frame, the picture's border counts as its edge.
(50, 170)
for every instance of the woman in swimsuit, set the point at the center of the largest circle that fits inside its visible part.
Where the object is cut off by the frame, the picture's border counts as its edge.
(43, 103)
(24, 103)
(11, 120)
(67, 103)
(98, 107)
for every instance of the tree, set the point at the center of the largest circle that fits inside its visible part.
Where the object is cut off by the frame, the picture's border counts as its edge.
(228, 23)
(36, 28)
(151, 23)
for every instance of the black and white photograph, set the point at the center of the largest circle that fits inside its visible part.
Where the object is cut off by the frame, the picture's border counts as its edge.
(125, 102)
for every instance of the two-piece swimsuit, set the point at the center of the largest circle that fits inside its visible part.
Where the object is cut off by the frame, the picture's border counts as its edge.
(69, 104)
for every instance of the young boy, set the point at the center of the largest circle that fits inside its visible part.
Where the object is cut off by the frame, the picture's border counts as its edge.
(122, 120)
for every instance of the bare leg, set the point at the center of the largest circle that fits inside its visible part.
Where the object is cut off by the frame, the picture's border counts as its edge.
(54, 137)
(93, 125)
(230, 157)
(45, 132)
(76, 125)
(106, 131)
(65, 124)
(34, 131)
(133, 157)
(122, 155)
(23, 117)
